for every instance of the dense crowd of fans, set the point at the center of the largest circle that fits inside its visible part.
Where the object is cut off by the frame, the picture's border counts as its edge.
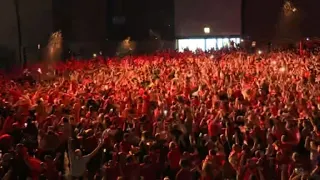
(183, 116)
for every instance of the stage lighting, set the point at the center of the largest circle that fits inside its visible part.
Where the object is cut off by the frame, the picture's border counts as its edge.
(259, 52)
(94, 55)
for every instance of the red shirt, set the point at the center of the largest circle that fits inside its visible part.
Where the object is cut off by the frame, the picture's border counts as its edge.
(213, 129)
(184, 174)
(125, 147)
(51, 172)
(174, 159)
(206, 178)
(249, 172)
(112, 172)
(6, 141)
(7, 126)
(286, 148)
(147, 171)
(294, 135)
(132, 172)
(35, 167)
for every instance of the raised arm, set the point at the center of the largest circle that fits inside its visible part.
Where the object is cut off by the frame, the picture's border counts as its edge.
(94, 152)
(56, 159)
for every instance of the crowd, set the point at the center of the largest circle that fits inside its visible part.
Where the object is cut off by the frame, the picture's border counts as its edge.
(182, 116)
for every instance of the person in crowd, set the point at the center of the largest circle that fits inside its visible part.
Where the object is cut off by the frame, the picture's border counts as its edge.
(78, 162)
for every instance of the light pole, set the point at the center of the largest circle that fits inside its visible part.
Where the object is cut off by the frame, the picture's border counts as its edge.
(206, 31)
(17, 12)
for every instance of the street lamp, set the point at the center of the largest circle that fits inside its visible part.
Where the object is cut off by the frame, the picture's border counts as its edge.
(206, 30)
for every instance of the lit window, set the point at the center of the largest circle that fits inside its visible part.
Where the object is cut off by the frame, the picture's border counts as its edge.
(220, 43)
(226, 42)
(211, 44)
(238, 40)
(191, 44)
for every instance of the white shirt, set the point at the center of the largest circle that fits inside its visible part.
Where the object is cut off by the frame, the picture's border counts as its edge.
(78, 167)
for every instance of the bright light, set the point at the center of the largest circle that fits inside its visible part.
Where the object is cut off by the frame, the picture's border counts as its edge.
(282, 69)
(165, 112)
(94, 55)
(206, 30)
(307, 39)
(241, 40)
(259, 52)
(39, 70)
(289, 8)
(253, 44)
(39, 46)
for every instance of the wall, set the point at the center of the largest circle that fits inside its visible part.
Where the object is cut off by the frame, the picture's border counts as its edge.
(36, 27)
(81, 20)
(223, 17)
(264, 20)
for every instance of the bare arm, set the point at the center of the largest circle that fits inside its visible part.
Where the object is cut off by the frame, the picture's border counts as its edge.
(26, 161)
(295, 177)
(56, 159)
(314, 171)
(261, 175)
(94, 152)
